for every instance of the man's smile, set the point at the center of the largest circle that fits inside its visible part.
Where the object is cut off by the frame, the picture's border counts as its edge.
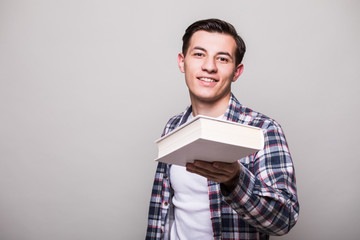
(205, 79)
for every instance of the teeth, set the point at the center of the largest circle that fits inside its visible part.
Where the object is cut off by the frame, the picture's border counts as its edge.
(207, 79)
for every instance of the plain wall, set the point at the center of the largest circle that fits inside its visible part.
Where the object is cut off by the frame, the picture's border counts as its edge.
(87, 86)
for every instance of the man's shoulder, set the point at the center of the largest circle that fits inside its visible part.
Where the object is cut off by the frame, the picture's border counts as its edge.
(238, 112)
(175, 120)
(172, 123)
(254, 118)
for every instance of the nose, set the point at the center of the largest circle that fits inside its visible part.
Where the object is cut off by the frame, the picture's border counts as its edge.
(209, 65)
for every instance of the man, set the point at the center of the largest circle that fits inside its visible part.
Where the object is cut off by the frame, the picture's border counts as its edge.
(249, 199)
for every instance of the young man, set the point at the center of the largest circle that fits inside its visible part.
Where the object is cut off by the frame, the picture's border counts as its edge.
(250, 199)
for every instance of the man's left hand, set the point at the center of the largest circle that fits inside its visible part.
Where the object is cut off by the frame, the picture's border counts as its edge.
(226, 173)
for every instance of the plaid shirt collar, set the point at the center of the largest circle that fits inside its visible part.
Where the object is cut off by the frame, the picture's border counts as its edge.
(231, 114)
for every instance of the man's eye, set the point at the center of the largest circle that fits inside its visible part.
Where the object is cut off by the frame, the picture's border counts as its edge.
(222, 59)
(198, 54)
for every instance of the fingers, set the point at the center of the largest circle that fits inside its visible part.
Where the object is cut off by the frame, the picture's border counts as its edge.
(216, 171)
(226, 167)
(206, 171)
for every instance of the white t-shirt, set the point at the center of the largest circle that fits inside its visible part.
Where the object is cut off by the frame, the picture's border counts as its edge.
(191, 205)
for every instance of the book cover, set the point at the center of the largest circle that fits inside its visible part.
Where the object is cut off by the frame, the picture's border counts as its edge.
(209, 139)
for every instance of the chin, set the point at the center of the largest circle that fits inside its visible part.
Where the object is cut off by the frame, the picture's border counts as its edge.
(206, 98)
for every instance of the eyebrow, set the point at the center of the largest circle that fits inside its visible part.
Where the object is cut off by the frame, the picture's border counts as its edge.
(219, 53)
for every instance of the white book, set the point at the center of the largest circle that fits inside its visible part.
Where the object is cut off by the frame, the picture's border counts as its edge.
(209, 139)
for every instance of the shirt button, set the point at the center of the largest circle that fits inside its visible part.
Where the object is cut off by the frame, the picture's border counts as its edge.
(165, 176)
(166, 203)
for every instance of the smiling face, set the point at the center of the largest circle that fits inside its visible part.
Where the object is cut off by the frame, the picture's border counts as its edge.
(209, 67)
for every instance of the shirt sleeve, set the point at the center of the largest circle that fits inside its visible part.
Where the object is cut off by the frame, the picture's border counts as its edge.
(265, 195)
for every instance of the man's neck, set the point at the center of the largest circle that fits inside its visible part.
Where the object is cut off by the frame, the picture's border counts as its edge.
(210, 109)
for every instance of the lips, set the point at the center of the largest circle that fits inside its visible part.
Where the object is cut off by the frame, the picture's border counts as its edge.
(205, 79)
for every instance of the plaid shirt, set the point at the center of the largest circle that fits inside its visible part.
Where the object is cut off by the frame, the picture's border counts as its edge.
(264, 201)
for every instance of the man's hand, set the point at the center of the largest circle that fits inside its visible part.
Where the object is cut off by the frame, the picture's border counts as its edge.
(225, 173)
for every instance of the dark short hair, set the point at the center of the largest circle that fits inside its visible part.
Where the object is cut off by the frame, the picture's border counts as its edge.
(215, 25)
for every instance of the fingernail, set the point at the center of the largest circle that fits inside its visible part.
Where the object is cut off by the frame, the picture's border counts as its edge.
(189, 166)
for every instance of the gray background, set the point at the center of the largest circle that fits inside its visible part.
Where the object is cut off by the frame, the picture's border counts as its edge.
(87, 86)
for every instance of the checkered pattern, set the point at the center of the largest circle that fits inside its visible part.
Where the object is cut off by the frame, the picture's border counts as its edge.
(263, 203)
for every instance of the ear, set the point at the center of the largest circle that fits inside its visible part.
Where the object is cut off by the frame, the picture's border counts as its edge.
(238, 71)
(181, 62)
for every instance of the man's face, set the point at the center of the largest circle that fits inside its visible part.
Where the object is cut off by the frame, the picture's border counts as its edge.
(209, 66)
